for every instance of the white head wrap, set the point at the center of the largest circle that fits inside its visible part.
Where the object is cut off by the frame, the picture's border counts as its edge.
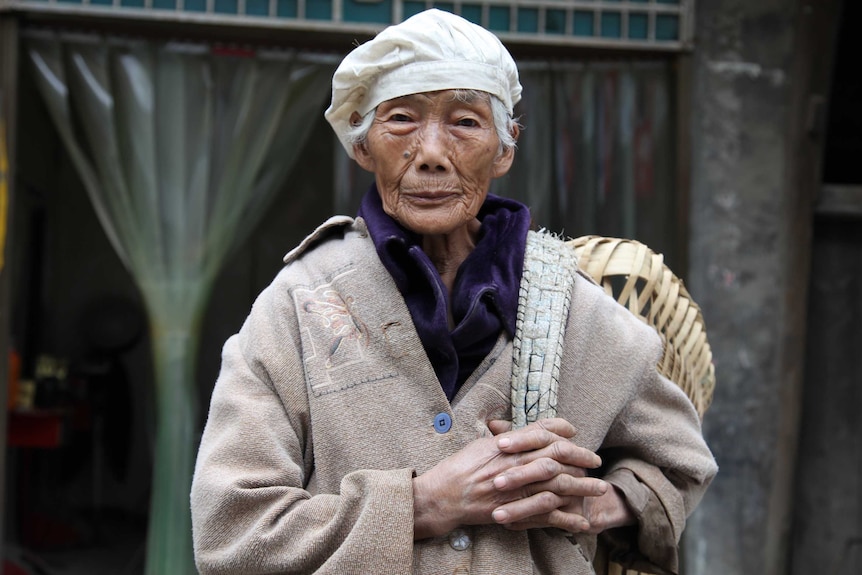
(433, 50)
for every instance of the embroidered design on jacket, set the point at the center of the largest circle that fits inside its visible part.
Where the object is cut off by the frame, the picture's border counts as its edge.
(336, 343)
(334, 311)
(337, 335)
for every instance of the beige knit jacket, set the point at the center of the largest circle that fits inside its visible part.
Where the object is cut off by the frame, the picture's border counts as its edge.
(324, 411)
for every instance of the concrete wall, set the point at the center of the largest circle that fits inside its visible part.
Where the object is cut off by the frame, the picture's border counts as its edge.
(754, 163)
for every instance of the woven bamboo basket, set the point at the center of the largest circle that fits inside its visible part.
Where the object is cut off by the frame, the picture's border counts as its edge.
(638, 279)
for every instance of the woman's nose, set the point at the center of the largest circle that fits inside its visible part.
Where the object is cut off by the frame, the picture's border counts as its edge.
(432, 154)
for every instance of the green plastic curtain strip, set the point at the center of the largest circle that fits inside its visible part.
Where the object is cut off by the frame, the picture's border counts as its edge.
(181, 151)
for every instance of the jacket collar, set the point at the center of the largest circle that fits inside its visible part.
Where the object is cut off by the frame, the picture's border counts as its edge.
(492, 271)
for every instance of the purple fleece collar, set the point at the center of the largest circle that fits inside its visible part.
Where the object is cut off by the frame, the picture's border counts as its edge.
(485, 293)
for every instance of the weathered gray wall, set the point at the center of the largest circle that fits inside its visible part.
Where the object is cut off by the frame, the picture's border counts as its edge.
(827, 527)
(743, 82)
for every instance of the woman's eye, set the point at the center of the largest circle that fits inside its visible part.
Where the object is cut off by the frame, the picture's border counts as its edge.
(467, 122)
(399, 118)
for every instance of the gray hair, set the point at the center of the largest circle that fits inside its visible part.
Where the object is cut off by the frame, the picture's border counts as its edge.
(503, 122)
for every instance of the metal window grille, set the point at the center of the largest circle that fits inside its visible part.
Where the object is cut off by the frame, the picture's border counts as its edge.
(637, 24)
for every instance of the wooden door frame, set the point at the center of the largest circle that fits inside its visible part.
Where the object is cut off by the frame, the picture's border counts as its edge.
(8, 108)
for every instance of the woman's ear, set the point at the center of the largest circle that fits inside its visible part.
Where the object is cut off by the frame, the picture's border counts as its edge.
(362, 157)
(360, 149)
(503, 162)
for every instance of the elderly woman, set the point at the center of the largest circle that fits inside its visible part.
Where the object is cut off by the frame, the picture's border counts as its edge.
(360, 420)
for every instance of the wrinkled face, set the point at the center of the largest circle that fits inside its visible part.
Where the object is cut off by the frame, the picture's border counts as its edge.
(433, 157)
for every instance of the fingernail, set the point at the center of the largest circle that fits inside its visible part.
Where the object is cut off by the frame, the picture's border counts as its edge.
(499, 515)
(500, 481)
(504, 442)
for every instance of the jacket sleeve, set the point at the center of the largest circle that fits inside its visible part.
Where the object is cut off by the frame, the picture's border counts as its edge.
(252, 511)
(656, 455)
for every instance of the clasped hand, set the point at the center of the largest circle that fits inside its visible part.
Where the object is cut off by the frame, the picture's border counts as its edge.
(532, 477)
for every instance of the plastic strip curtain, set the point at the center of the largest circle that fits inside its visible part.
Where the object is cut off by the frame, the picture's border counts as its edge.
(181, 151)
(595, 155)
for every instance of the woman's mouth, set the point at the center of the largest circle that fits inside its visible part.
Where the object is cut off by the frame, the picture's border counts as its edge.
(430, 196)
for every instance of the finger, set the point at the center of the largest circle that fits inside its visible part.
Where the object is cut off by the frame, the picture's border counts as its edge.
(563, 451)
(535, 522)
(570, 482)
(559, 519)
(536, 435)
(542, 470)
(557, 425)
(498, 426)
(549, 475)
(522, 509)
(565, 485)
(570, 453)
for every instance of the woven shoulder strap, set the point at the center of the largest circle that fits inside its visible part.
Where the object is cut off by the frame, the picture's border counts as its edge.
(543, 306)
